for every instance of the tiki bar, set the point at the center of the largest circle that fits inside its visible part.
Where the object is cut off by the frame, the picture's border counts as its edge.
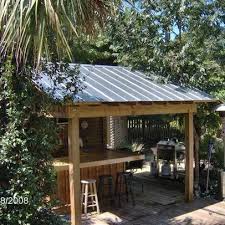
(94, 126)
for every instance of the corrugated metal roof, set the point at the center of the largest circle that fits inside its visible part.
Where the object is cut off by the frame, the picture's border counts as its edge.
(120, 84)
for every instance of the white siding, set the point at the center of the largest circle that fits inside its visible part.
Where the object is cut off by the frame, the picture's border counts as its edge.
(117, 131)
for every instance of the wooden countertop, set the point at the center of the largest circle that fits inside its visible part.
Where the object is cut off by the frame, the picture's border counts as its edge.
(97, 158)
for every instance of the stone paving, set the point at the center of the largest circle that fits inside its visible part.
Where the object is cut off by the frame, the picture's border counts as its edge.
(199, 212)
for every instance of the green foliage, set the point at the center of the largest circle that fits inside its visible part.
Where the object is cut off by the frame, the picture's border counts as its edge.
(182, 42)
(216, 161)
(34, 29)
(92, 50)
(47, 217)
(217, 157)
(27, 138)
(132, 147)
(179, 41)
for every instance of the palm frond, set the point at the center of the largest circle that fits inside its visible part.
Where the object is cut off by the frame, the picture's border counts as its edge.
(33, 29)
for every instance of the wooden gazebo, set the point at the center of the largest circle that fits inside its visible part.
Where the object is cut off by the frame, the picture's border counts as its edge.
(118, 91)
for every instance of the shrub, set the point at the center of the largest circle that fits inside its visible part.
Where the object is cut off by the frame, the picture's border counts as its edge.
(47, 217)
(27, 138)
(217, 157)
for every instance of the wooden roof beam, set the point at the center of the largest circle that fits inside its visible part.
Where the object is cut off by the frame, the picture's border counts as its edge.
(127, 110)
(146, 103)
(111, 103)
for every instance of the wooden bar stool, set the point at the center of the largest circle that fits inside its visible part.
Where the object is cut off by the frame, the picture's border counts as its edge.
(106, 189)
(124, 180)
(89, 196)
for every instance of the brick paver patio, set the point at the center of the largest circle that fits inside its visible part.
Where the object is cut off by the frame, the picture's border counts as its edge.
(160, 204)
(199, 212)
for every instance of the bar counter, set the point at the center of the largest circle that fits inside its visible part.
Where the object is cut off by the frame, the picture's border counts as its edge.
(97, 158)
(92, 165)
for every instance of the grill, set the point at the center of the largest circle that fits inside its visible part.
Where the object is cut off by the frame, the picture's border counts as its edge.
(170, 158)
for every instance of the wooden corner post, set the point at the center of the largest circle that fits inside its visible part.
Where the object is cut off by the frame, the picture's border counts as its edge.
(74, 170)
(189, 143)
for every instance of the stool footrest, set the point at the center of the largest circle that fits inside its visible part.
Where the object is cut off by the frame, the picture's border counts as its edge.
(92, 195)
(90, 203)
(94, 205)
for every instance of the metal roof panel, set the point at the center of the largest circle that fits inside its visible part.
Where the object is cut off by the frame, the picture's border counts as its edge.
(120, 84)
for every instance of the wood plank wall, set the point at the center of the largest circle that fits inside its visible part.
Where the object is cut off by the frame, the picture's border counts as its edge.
(63, 192)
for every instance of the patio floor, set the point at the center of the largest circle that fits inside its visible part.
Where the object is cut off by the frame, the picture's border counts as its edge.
(160, 204)
(199, 212)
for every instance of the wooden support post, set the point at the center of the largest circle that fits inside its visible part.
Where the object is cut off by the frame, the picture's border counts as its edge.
(74, 170)
(189, 142)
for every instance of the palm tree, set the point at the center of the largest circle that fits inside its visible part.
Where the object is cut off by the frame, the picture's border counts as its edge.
(36, 28)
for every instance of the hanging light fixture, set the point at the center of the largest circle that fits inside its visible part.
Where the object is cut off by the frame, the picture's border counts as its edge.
(221, 110)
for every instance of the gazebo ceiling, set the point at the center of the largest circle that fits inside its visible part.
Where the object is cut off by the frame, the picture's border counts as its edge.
(120, 84)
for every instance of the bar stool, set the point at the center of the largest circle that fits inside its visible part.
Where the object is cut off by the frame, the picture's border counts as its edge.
(106, 188)
(124, 180)
(89, 196)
